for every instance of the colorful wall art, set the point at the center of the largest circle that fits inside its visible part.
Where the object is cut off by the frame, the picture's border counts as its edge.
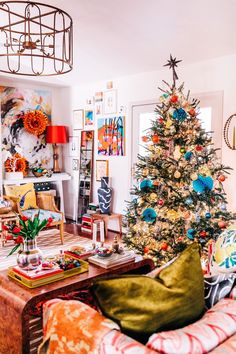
(111, 136)
(25, 113)
(88, 116)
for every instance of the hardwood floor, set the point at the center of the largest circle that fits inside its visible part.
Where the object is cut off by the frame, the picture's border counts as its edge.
(75, 229)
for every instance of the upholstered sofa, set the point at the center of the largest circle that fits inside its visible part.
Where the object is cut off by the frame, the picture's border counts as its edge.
(74, 327)
(173, 310)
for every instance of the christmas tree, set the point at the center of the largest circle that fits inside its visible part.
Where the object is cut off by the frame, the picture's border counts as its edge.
(179, 196)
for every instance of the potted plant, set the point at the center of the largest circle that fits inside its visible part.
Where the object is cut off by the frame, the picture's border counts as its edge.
(29, 255)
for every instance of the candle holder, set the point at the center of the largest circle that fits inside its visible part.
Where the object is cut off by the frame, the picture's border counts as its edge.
(230, 139)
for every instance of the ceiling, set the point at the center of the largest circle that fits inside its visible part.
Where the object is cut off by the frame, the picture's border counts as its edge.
(114, 38)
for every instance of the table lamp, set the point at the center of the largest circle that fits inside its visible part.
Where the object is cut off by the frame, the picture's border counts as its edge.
(56, 134)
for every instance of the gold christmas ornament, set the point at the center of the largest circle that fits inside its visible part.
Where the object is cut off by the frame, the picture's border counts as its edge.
(153, 197)
(194, 176)
(153, 171)
(204, 170)
(145, 172)
(169, 123)
(172, 215)
(177, 174)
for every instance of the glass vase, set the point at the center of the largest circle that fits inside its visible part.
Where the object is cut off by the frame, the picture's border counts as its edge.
(29, 257)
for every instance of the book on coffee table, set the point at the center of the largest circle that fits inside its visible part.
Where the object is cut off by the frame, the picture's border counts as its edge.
(113, 260)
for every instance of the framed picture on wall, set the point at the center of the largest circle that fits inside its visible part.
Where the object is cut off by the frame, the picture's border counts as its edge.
(88, 118)
(98, 109)
(78, 119)
(74, 148)
(110, 102)
(101, 169)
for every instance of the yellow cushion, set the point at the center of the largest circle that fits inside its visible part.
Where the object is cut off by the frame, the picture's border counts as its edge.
(25, 193)
(142, 305)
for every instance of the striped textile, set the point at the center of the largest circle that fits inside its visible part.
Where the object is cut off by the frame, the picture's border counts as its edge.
(49, 243)
(117, 343)
(217, 325)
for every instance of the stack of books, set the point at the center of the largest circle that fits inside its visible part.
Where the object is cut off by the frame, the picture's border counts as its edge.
(86, 225)
(35, 278)
(114, 260)
(93, 209)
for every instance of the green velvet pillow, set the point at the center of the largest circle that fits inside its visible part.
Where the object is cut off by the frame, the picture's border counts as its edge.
(142, 305)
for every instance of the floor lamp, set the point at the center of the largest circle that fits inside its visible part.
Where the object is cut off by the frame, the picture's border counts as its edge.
(56, 134)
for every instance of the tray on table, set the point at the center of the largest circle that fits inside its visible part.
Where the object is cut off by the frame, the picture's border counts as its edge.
(36, 278)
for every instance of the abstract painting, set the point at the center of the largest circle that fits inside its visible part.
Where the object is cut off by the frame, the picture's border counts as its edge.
(15, 102)
(111, 136)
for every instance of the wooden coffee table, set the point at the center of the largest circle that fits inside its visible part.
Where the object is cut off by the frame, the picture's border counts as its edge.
(20, 333)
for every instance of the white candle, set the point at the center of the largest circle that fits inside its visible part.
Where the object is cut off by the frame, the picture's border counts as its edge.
(94, 232)
(102, 239)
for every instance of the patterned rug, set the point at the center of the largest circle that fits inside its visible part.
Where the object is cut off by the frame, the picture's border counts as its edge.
(49, 243)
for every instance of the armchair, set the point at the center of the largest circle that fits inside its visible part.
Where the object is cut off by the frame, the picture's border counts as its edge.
(46, 205)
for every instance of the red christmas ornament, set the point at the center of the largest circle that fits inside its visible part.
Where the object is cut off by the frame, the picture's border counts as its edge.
(180, 238)
(198, 148)
(202, 234)
(156, 183)
(221, 178)
(164, 246)
(192, 112)
(174, 99)
(146, 249)
(145, 139)
(161, 120)
(222, 224)
(160, 202)
(155, 139)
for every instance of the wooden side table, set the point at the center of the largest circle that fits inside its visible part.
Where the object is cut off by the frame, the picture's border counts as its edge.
(6, 219)
(106, 218)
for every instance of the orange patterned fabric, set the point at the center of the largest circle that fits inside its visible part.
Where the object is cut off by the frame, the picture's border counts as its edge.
(72, 327)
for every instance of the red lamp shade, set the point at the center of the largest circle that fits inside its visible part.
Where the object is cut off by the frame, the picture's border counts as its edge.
(56, 134)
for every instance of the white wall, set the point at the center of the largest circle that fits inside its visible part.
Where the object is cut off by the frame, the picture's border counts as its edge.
(214, 75)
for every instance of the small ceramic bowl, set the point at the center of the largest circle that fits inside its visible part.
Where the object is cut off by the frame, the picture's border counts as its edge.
(104, 252)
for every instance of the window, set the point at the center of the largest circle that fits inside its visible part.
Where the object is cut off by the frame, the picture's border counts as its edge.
(210, 113)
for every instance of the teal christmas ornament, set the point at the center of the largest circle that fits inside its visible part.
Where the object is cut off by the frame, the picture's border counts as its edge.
(180, 114)
(191, 233)
(202, 184)
(188, 155)
(149, 215)
(165, 95)
(189, 201)
(208, 215)
(146, 184)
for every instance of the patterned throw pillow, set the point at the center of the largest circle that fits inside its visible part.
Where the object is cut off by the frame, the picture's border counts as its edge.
(218, 324)
(25, 193)
(218, 287)
(223, 258)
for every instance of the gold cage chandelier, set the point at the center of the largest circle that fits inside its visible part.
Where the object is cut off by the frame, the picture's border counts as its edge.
(35, 39)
